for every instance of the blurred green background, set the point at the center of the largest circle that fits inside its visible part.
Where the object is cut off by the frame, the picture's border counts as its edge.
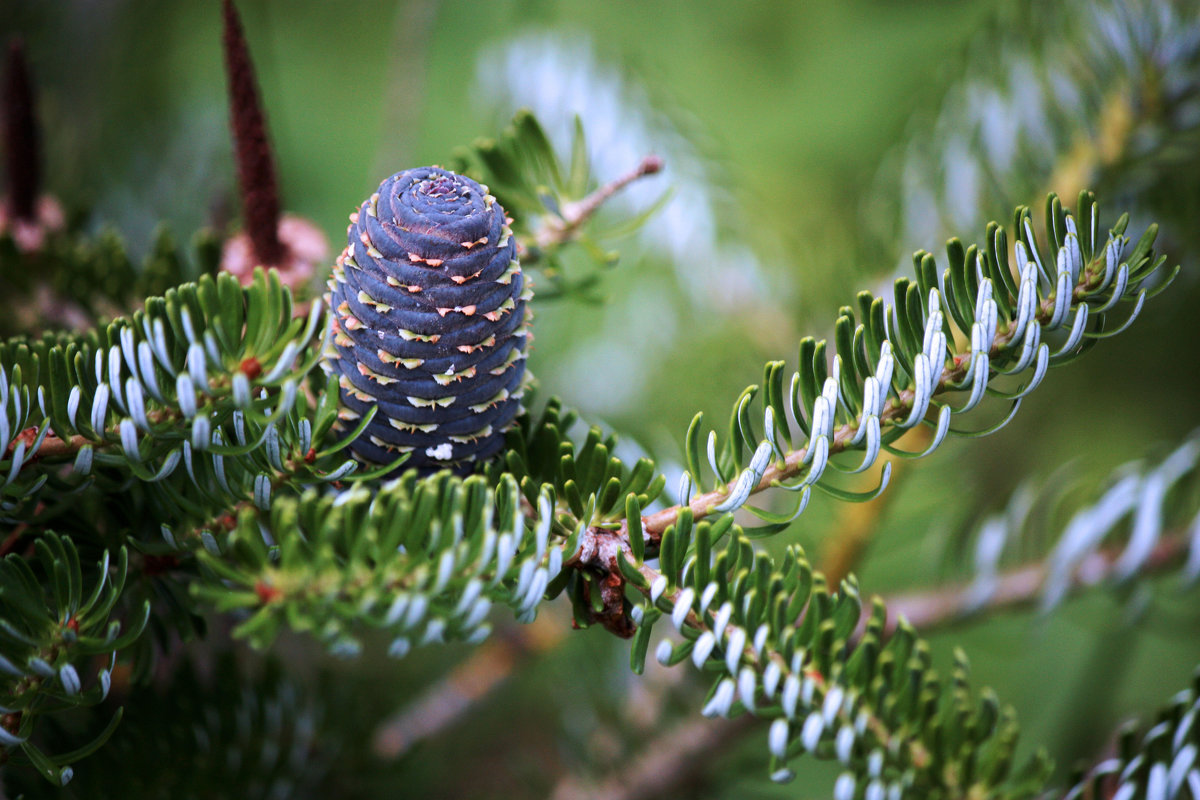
(781, 124)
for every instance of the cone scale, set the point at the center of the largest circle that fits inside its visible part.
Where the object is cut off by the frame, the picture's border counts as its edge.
(430, 322)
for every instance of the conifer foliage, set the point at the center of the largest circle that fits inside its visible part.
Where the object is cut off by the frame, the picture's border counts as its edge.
(372, 462)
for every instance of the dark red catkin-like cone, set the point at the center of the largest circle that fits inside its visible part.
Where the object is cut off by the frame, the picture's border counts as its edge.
(25, 214)
(256, 165)
(21, 149)
(291, 244)
(430, 322)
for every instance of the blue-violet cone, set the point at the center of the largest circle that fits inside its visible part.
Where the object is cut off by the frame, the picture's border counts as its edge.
(430, 322)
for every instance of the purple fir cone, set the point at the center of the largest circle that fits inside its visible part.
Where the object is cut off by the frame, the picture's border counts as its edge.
(430, 322)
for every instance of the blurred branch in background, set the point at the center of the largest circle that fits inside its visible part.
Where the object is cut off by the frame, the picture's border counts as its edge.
(665, 765)
(448, 701)
(1025, 586)
(696, 259)
(1116, 111)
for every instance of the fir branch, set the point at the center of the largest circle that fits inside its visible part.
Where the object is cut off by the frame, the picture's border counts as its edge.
(197, 397)
(1161, 763)
(926, 363)
(248, 731)
(821, 688)
(333, 562)
(58, 645)
(676, 756)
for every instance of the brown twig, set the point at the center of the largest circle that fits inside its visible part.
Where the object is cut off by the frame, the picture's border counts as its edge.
(51, 446)
(54, 446)
(256, 164)
(575, 215)
(21, 137)
(702, 504)
(654, 525)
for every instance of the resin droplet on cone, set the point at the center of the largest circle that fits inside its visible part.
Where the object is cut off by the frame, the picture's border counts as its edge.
(429, 321)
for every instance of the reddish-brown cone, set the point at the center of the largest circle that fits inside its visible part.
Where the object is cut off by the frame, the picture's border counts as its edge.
(20, 136)
(23, 214)
(256, 165)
